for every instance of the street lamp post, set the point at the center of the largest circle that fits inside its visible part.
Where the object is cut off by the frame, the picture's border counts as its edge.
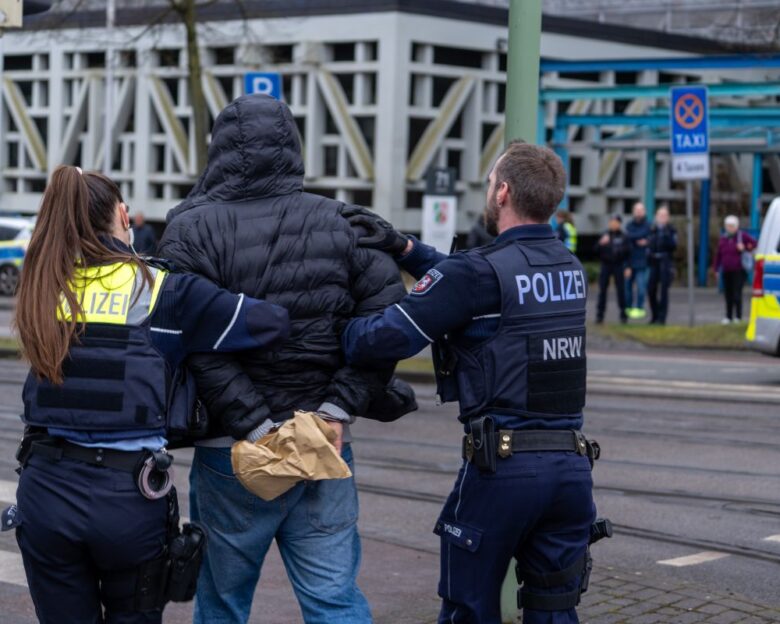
(522, 77)
(522, 106)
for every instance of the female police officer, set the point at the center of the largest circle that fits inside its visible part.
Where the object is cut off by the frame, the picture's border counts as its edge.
(105, 333)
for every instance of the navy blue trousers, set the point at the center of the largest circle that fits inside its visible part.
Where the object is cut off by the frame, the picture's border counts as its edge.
(537, 507)
(661, 274)
(84, 529)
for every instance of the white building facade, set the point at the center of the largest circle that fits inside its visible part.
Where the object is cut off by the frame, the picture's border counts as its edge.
(381, 92)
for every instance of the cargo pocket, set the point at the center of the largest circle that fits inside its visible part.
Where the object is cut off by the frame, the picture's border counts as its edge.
(458, 534)
(460, 568)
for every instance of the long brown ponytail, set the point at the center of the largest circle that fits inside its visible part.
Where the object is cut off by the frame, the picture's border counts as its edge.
(77, 208)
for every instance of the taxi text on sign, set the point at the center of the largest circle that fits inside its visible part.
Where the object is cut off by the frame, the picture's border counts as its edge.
(690, 142)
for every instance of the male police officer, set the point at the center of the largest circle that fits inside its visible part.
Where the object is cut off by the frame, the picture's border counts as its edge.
(512, 315)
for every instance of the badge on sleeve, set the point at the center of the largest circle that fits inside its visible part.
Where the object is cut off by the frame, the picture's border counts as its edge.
(428, 281)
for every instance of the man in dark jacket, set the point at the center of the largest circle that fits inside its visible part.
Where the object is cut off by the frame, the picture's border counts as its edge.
(612, 249)
(637, 231)
(249, 226)
(144, 238)
(661, 245)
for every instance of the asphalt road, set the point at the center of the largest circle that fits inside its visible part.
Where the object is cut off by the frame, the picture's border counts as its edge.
(690, 475)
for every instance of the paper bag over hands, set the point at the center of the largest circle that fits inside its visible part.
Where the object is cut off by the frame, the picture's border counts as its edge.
(301, 449)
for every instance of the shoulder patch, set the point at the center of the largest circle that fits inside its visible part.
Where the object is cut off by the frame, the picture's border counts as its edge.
(428, 281)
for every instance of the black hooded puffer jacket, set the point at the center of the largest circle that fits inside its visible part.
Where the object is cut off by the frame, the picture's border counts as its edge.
(248, 226)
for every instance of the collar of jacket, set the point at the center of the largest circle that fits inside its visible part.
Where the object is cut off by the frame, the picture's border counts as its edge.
(113, 244)
(525, 232)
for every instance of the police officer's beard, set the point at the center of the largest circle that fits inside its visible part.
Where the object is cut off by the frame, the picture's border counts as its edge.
(491, 216)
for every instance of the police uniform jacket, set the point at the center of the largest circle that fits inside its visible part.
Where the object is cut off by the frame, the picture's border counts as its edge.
(121, 376)
(661, 245)
(514, 312)
(616, 251)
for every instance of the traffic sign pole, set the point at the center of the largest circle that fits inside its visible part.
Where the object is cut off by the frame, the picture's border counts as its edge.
(690, 146)
(689, 226)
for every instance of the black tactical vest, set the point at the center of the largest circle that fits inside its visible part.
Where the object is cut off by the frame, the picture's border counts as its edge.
(115, 379)
(534, 366)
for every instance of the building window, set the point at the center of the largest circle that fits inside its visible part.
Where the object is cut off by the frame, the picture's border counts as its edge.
(414, 200)
(19, 62)
(575, 171)
(441, 87)
(95, 59)
(460, 57)
(279, 54)
(363, 197)
(343, 52)
(168, 57)
(330, 158)
(224, 56)
(629, 173)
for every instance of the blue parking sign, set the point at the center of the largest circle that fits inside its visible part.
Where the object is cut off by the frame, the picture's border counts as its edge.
(690, 142)
(267, 83)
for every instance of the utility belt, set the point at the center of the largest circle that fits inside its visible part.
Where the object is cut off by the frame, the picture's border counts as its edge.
(171, 576)
(484, 444)
(152, 470)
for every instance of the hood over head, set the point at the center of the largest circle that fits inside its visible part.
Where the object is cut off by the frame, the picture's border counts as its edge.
(254, 152)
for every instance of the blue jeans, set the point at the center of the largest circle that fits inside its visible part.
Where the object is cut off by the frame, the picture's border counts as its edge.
(315, 527)
(638, 278)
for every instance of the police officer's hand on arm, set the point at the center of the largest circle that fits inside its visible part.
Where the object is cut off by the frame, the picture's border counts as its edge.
(377, 232)
(374, 232)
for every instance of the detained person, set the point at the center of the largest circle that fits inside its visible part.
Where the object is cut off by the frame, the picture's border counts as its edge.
(249, 226)
(106, 334)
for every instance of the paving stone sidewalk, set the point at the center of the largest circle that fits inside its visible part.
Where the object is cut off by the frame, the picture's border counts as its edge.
(622, 597)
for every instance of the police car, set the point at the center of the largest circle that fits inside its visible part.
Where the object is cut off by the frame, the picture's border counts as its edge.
(14, 237)
(763, 333)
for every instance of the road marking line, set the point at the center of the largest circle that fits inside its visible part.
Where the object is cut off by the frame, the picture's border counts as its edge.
(772, 538)
(702, 557)
(12, 569)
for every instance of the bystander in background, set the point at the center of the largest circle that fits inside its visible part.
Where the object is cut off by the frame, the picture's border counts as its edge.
(478, 235)
(612, 249)
(734, 259)
(566, 231)
(637, 232)
(661, 244)
(144, 236)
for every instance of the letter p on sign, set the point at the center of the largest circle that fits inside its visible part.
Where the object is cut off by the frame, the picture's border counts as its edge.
(263, 83)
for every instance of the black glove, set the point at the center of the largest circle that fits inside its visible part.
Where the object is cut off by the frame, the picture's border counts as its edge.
(375, 232)
(395, 401)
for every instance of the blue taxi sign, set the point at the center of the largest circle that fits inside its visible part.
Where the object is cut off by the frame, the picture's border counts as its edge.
(690, 142)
